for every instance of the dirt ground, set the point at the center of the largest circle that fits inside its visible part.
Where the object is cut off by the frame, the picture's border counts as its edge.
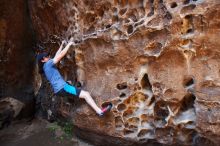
(35, 133)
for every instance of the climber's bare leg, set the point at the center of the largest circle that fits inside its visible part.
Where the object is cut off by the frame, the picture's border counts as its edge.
(90, 101)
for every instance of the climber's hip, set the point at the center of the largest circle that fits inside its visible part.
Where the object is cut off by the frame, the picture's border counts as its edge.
(68, 90)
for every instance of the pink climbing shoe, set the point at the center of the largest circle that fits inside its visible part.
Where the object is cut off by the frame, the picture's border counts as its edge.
(106, 108)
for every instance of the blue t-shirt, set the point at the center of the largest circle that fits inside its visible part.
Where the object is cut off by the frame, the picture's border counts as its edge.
(53, 75)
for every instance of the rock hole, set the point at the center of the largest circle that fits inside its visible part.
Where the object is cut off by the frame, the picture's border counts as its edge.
(108, 26)
(133, 121)
(188, 82)
(122, 86)
(189, 30)
(128, 101)
(149, 7)
(90, 18)
(168, 93)
(133, 17)
(77, 41)
(144, 117)
(188, 8)
(121, 107)
(122, 95)
(136, 79)
(133, 127)
(134, 99)
(173, 5)
(126, 21)
(142, 132)
(185, 2)
(202, 141)
(160, 110)
(128, 112)
(188, 102)
(100, 13)
(151, 13)
(130, 29)
(118, 122)
(114, 10)
(115, 18)
(168, 16)
(145, 83)
(189, 17)
(152, 100)
(186, 43)
(127, 131)
(142, 98)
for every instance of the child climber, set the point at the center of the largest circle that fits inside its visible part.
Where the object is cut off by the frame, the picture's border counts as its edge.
(47, 64)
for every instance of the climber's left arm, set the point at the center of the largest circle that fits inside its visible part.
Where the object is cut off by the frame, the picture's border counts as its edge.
(60, 49)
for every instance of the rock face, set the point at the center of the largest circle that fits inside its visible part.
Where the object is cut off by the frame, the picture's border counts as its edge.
(16, 53)
(157, 61)
(9, 109)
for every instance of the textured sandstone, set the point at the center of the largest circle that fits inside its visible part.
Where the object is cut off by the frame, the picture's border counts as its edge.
(157, 61)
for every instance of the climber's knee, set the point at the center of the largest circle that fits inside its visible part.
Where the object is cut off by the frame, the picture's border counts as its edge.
(84, 94)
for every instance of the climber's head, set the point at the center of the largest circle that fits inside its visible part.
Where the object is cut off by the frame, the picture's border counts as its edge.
(43, 57)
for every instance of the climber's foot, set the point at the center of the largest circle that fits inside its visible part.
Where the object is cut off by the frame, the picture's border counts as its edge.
(106, 107)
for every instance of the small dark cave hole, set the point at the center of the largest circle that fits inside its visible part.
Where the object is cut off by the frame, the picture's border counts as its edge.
(188, 102)
(108, 26)
(127, 131)
(188, 8)
(121, 107)
(161, 110)
(122, 86)
(197, 141)
(188, 82)
(189, 17)
(190, 30)
(130, 29)
(101, 13)
(145, 83)
(122, 95)
(151, 13)
(173, 5)
(153, 99)
(185, 2)
(77, 41)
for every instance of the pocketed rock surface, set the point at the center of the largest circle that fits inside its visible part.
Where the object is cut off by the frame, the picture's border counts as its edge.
(157, 61)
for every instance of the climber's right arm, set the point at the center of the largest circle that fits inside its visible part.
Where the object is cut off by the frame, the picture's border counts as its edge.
(59, 56)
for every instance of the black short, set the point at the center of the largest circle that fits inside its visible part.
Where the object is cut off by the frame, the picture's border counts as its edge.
(62, 92)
